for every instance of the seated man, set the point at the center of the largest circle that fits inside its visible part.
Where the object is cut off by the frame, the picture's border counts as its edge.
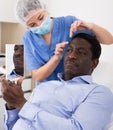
(73, 103)
(18, 60)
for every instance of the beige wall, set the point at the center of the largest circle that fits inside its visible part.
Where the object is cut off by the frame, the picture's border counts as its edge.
(10, 33)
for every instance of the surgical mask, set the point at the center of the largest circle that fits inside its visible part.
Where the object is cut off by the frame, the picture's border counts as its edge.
(44, 28)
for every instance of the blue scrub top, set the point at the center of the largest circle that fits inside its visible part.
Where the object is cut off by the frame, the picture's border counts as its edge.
(38, 52)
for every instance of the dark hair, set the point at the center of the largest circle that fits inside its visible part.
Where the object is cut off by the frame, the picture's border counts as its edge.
(18, 47)
(95, 45)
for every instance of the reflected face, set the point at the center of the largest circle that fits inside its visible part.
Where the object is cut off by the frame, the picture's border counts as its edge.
(78, 59)
(18, 59)
(37, 19)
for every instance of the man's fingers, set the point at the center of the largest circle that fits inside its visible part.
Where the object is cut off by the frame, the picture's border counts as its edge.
(5, 83)
(19, 82)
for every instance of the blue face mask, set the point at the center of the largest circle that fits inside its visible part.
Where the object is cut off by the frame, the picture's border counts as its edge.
(44, 28)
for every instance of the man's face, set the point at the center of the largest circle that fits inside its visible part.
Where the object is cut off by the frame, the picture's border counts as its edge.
(78, 60)
(18, 59)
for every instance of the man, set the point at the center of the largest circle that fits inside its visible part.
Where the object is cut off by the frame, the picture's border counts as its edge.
(18, 60)
(73, 103)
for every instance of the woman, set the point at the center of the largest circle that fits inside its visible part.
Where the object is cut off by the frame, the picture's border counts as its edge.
(44, 33)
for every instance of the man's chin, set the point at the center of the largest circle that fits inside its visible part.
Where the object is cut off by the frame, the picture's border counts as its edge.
(71, 68)
(70, 72)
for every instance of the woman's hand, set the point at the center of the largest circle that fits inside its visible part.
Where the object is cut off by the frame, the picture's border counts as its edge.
(60, 48)
(80, 25)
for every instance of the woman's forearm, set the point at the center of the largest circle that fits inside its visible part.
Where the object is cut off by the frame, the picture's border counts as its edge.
(104, 36)
(43, 72)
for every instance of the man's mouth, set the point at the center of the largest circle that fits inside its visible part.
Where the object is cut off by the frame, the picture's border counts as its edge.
(71, 63)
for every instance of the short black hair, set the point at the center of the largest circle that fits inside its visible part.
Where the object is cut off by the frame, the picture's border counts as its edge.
(95, 45)
(18, 47)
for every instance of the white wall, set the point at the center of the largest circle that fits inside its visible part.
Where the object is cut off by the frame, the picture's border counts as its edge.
(7, 11)
(99, 12)
(9, 58)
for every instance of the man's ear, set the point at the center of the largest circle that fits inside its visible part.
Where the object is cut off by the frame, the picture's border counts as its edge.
(95, 63)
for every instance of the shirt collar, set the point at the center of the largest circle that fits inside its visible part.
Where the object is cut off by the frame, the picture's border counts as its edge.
(78, 79)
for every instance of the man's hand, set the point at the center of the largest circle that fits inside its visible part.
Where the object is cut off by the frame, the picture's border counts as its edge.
(12, 94)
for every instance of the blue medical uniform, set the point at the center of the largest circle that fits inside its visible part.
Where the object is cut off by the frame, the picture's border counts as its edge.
(38, 52)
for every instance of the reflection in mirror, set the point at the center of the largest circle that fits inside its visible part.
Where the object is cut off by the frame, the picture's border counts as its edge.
(14, 61)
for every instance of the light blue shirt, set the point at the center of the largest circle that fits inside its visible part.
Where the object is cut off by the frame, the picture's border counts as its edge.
(77, 104)
(13, 75)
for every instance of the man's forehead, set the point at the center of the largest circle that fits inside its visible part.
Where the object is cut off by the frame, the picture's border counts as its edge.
(19, 48)
(79, 41)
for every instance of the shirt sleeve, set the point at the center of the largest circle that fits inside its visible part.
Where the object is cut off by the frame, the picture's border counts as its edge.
(93, 113)
(42, 120)
(33, 61)
(10, 118)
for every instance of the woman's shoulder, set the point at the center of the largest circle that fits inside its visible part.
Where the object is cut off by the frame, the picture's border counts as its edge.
(29, 36)
(27, 33)
(68, 17)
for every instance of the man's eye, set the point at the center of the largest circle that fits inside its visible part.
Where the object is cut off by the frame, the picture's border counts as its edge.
(69, 50)
(18, 55)
(82, 52)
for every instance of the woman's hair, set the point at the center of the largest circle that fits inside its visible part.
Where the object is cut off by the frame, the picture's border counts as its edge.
(23, 7)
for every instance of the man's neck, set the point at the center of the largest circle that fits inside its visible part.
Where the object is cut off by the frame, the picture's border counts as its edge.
(67, 77)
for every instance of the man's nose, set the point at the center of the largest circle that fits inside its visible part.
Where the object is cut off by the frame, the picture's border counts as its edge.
(73, 55)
